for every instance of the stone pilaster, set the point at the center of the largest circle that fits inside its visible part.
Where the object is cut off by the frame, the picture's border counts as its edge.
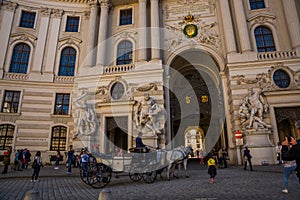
(292, 23)
(92, 35)
(228, 27)
(242, 27)
(155, 32)
(142, 32)
(52, 43)
(8, 10)
(41, 42)
(101, 49)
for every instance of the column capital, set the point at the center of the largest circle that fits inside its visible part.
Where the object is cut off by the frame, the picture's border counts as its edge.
(104, 3)
(142, 1)
(45, 12)
(92, 3)
(57, 13)
(10, 6)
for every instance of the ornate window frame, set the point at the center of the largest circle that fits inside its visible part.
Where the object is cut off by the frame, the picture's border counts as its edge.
(266, 6)
(122, 36)
(65, 23)
(119, 15)
(20, 100)
(62, 44)
(110, 87)
(273, 31)
(15, 40)
(31, 10)
(287, 70)
(15, 130)
(51, 133)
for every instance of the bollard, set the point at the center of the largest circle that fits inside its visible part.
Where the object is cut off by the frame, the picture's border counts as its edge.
(105, 194)
(32, 195)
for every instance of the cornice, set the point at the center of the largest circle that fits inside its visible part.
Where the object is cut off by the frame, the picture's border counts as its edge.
(73, 1)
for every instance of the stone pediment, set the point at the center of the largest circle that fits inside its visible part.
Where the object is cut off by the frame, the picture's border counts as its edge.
(70, 41)
(23, 37)
(261, 19)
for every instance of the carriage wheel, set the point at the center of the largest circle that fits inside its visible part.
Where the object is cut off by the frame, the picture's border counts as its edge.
(135, 176)
(149, 177)
(99, 175)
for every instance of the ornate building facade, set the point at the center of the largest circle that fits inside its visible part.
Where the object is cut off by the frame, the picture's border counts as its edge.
(194, 72)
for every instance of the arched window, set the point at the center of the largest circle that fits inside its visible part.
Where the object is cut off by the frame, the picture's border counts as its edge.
(67, 62)
(124, 55)
(257, 4)
(58, 138)
(281, 78)
(264, 39)
(6, 135)
(20, 59)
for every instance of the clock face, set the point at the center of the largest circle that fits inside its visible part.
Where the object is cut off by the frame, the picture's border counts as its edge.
(190, 30)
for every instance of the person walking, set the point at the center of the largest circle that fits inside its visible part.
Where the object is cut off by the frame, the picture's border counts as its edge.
(37, 164)
(84, 162)
(247, 158)
(212, 170)
(6, 160)
(71, 159)
(57, 159)
(289, 167)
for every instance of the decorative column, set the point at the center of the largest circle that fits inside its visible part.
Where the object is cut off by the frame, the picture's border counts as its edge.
(101, 49)
(142, 32)
(242, 25)
(6, 24)
(293, 23)
(53, 41)
(41, 42)
(92, 34)
(155, 32)
(227, 27)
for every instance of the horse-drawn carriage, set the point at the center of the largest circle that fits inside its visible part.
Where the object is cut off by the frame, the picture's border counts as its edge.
(139, 164)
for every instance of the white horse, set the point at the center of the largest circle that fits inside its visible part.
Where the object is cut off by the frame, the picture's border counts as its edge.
(178, 155)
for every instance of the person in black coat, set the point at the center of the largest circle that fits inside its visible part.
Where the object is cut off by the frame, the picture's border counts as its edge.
(247, 158)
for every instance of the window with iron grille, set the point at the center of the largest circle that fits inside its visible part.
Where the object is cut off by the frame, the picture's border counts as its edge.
(67, 62)
(62, 102)
(58, 138)
(20, 59)
(124, 54)
(6, 136)
(125, 17)
(264, 39)
(257, 4)
(281, 78)
(11, 101)
(72, 24)
(27, 19)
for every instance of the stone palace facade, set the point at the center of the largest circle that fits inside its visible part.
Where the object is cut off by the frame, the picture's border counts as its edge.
(95, 73)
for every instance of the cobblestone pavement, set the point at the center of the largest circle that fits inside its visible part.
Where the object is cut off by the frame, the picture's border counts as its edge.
(265, 182)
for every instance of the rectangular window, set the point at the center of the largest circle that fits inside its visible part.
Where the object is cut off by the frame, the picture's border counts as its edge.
(257, 4)
(11, 101)
(125, 17)
(6, 136)
(72, 24)
(59, 138)
(27, 19)
(62, 102)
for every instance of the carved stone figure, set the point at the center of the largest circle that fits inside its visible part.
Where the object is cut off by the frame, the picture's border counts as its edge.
(85, 120)
(146, 114)
(251, 110)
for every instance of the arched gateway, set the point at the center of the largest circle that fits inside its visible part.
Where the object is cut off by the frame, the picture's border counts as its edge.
(196, 101)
